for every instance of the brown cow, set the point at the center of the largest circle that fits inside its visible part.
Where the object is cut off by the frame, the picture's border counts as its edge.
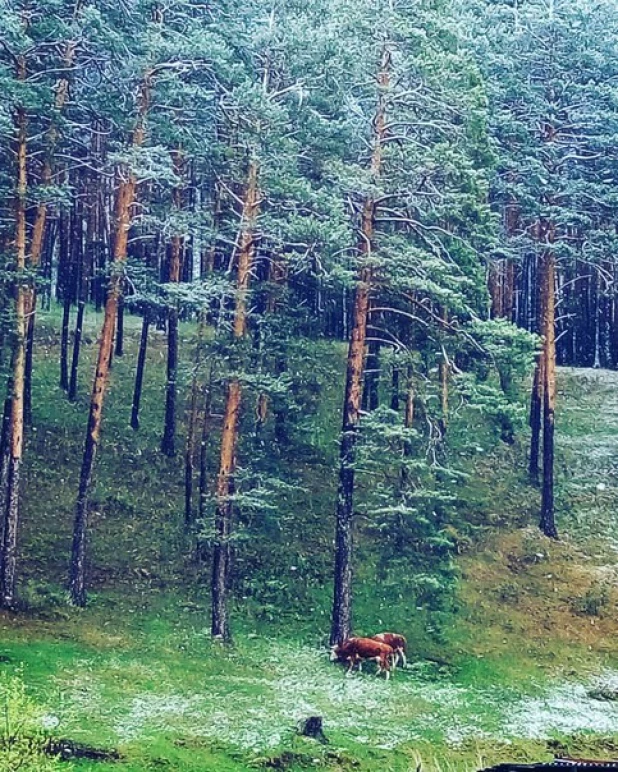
(397, 642)
(355, 650)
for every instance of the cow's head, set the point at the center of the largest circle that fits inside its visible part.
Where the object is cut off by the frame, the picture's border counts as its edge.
(334, 653)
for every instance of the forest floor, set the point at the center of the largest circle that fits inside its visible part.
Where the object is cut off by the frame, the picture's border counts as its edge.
(529, 666)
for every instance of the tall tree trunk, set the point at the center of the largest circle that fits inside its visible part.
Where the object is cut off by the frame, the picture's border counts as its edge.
(223, 515)
(119, 347)
(79, 328)
(66, 314)
(16, 431)
(547, 522)
(168, 442)
(85, 270)
(124, 201)
(203, 480)
(30, 301)
(5, 456)
(192, 423)
(139, 374)
(371, 390)
(341, 624)
(342, 595)
(494, 282)
(536, 399)
(38, 231)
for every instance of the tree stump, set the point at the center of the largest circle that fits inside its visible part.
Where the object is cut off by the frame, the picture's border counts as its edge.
(312, 727)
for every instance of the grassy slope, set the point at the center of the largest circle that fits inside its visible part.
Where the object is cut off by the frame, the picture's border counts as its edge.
(137, 669)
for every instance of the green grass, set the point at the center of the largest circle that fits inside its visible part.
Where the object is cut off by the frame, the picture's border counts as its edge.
(137, 669)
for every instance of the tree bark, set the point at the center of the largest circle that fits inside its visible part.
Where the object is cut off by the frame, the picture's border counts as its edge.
(342, 593)
(16, 430)
(223, 515)
(119, 347)
(79, 328)
(168, 442)
(124, 201)
(203, 480)
(5, 456)
(371, 390)
(538, 390)
(495, 288)
(341, 624)
(64, 340)
(192, 424)
(547, 522)
(38, 233)
(139, 374)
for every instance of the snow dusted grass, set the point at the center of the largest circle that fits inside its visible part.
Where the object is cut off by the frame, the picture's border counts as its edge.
(251, 700)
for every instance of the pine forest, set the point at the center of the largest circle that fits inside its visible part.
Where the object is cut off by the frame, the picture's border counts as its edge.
(309, 385)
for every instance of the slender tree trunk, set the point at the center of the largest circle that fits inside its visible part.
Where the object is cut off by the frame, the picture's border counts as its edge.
(371, 390)
(547, 523)
(5, 456)
(38, 233)
(341, 625)
(64, 341)
(85, 269)
(223, 514)
(79, 328)
(119, 347)
(124, 201)
(192, 424)
(205, 436)
(536, 399)
(495, 288)
(342, 600)
(261, 416)
(508, 304)
(16, 433)
(139, 374)
(168, 442)
(30, 302)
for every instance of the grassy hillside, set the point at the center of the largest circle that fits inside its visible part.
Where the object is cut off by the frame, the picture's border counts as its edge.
(517, 663)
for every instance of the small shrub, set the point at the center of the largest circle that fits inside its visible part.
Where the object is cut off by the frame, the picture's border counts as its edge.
(509, 592)
(41, 597)
(593, 603)
(22, 732)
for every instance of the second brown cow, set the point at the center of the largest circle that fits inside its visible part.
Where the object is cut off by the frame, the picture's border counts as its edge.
(356, 650)
(397, 643)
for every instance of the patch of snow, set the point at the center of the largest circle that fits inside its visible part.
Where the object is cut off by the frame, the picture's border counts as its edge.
(567, 708)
